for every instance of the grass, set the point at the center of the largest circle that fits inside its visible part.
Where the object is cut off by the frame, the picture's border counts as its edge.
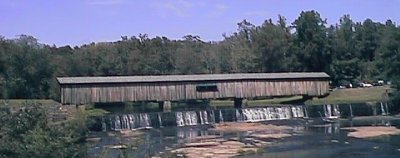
(90, 110)
(337, 96)
(22, 102)
(352, 95)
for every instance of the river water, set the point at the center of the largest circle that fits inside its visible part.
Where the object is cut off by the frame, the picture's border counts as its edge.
(163, 132)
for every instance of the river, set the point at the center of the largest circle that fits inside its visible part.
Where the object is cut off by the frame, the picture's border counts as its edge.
(172, 134)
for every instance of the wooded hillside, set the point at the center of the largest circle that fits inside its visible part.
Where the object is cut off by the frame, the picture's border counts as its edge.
(348, 51)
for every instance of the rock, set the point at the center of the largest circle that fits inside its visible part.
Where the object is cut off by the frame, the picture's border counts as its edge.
(201, 144)
(225, 151)
(232, 143)
(246, 127)
(209, 155)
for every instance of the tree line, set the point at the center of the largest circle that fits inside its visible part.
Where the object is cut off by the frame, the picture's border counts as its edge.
(348, 51)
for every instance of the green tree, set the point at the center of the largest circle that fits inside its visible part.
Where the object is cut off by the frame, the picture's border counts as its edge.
(310, 39)
(345, 66)
(27, 133)
(29, 72)
(271, 45)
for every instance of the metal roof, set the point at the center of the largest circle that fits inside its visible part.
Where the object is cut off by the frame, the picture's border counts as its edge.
(181, 78)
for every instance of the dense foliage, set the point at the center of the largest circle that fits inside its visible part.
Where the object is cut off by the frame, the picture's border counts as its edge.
(27, 133)
(348, 51)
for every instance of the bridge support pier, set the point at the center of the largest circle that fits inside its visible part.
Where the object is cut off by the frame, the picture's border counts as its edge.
(164, 106)
(240, 102)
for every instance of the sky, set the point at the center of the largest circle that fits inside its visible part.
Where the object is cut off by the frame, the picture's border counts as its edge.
(77, 22)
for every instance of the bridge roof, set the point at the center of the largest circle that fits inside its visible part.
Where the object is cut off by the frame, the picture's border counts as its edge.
(200, 77)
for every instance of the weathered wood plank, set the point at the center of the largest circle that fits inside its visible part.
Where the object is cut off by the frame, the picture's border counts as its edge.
(88, 93)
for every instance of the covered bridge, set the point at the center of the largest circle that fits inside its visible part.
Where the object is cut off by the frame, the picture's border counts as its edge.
(83, 90)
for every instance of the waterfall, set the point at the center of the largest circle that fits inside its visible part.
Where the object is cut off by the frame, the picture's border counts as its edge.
(117, 125)
(387, 108)
(239, 116)
(186, 118)
(221, 117)
(331, 111)
(130, 121)
(159, 119)
(212, 115)
(328, 111)
(336, 111)
(298, 111)
(190, 118)
(202, 117)
(205, 115)
(144, 120)
(269, 113)
(383, 109)
(351, 110)
(305, 112)
(179, 119)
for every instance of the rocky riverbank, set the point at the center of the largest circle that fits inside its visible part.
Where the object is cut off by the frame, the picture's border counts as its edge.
(259, 135)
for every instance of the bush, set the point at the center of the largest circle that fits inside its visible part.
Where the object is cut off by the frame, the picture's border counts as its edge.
(27, 133)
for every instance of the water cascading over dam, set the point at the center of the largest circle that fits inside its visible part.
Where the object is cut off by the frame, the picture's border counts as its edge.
(201, 117)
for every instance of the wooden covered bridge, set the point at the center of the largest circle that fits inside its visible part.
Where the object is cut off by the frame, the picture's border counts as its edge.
(166, 88)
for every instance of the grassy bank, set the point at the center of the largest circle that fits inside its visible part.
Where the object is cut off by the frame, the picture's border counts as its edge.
(352, 95)
(23, 102)
(337, 96)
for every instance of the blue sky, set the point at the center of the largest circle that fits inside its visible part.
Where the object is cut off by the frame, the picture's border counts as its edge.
(77, 22)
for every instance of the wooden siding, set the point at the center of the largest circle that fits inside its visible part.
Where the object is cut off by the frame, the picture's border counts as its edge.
(171, 91)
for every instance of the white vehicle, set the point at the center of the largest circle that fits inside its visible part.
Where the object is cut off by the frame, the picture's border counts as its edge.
(366, 85)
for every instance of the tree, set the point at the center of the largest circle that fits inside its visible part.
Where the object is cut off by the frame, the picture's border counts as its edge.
(189, 58)
(271, 45)
(27, 133)
(29, 72)
(390, 52)
(311, 42)
(345, 66)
